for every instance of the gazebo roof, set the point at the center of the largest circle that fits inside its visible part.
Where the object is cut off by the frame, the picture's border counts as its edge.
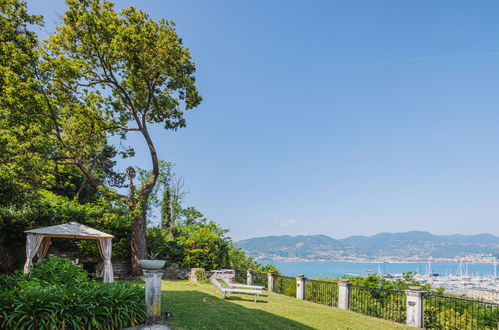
(70, 230)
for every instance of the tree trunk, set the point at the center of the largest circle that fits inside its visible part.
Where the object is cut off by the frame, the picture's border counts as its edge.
(166, 209)
(138, 242)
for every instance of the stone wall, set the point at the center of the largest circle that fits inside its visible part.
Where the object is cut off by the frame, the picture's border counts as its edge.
(174, 272)
(121, 267)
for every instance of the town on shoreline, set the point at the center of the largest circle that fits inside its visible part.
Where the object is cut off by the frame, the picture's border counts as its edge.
(469, 258)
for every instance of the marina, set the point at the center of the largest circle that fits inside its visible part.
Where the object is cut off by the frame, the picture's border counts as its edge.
(477, 280)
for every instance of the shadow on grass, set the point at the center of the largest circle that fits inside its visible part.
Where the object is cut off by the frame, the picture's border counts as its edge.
(198, 310)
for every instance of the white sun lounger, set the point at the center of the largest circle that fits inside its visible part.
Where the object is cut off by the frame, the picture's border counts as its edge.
(225, 291)
(237, 285)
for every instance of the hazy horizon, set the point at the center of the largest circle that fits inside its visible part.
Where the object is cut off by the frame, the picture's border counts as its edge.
(336, 117)
(383, 232)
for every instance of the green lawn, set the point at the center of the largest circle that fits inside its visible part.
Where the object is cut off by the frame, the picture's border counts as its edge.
(198, 306)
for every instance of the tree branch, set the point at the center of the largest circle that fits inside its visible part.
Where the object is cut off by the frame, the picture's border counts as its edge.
(124, 128)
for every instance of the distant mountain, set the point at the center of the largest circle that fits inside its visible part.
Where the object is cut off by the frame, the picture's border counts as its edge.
(310, 246)
(402, 245)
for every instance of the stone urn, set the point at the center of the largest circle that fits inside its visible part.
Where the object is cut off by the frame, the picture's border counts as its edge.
(153, 264)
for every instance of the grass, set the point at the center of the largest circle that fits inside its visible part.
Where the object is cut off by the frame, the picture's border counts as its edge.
(198, 306)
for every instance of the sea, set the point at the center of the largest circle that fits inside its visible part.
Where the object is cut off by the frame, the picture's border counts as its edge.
(333, 269)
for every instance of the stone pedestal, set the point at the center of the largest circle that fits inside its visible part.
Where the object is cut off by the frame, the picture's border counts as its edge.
(344, 286)
(249, 277)
(414, 306)
(153, 294)
(270, 281)
(300, 286)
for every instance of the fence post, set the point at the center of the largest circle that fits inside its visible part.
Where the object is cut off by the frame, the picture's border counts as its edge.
(414, 317)
(270, 281)
(300, 286)
(344, 286)
(249, 277)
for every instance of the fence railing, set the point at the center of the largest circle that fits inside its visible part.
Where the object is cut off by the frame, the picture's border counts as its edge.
(322, 292)
(285, 285)
(412, 307)
(260, 279)
(380, 303)
(240, 276)
(444, 312)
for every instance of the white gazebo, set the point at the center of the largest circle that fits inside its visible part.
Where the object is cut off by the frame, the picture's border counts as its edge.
(38, 241)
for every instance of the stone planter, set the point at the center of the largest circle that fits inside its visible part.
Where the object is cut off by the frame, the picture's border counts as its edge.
(152, 264)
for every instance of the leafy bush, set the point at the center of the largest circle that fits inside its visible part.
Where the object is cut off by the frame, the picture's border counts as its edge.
(58, 294)
(91, 305)
(58, 271)
(11, 280)
(88, 248)
(164, 247)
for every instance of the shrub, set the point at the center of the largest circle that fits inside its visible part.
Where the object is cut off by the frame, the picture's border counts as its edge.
(8, 281)
(58, 294)
(166, 248)
(59, 271)
(88, 306)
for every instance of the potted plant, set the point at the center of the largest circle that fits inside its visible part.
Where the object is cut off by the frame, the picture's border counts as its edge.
(153, 263)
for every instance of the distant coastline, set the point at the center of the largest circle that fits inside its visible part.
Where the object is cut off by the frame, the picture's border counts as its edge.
(408, 247)
(370, 261)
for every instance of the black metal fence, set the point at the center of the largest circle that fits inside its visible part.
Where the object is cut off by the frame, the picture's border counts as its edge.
(285, 285)
(444, 312)
(322, 292)
(240, 276)
(380, 303)
(440, 312)
(260, 279)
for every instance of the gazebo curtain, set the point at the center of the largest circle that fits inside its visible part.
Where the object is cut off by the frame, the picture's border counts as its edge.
(105, 249)
(43, 249)
(38, 245)
(33, 243)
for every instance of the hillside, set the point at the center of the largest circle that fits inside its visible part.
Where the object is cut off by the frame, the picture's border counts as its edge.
(310, 246)
(403, 245)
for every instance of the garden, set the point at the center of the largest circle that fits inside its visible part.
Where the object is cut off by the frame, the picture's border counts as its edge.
(57, 294)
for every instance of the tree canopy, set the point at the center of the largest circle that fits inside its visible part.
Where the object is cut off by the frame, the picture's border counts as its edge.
(102, 73)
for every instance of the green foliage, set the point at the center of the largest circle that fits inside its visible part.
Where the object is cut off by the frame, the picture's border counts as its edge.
(380, 303)
(103, 72)
(239, 260)
(11, 280)
(58, 271)
(201, 276)
(268, 268)
(163, 246)
(322, 292)
(24, 139)
(379, 282)
(199, 243)
(89, 306)
(45, 208)
(285, 285)
(442, 312)
(205, 245)
(58, 294)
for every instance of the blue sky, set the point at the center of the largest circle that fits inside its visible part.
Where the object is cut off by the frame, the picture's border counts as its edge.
(337, 117)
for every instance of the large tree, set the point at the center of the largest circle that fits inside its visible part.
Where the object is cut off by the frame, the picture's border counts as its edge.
(106, 73)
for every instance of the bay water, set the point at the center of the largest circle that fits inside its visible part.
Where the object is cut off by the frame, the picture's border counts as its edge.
(333, 269)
